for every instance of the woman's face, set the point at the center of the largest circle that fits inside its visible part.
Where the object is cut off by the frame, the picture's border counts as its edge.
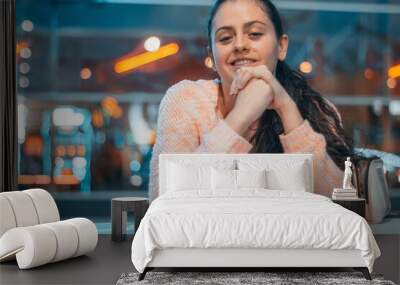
(243, 35)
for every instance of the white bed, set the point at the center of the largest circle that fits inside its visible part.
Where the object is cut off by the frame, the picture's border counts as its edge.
(200, 220)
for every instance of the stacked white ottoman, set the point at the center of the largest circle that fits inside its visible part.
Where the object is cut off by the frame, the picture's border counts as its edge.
(31, 230)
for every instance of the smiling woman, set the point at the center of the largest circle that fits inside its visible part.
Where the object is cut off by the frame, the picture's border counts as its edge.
(257, 103)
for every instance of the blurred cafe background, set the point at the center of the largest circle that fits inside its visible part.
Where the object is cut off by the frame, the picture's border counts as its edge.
(91, 74)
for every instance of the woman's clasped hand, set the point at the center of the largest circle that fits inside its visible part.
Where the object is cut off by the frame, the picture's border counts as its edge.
(255, 89)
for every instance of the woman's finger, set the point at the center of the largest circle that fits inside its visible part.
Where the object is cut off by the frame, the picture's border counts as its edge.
(244, 78)
(232, 90)
(263, 72)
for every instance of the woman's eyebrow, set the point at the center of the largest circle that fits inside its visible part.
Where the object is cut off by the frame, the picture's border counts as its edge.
(246, 25)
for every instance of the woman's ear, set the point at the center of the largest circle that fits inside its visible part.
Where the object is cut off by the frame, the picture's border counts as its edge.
(209, 53)
(283, 47)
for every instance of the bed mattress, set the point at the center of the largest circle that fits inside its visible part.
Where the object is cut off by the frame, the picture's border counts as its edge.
(250, 219)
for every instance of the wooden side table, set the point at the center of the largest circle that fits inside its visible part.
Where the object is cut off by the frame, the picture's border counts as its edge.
(357, 205)
(119, 208)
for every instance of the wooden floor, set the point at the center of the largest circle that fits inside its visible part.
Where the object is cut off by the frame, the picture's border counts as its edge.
(103, 266)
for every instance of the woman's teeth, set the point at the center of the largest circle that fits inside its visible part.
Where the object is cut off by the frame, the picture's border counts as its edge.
(242, 62)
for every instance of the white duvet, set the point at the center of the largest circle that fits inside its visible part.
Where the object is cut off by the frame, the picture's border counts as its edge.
(253, 218)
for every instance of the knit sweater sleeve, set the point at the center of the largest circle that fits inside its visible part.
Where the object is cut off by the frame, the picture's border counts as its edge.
(178, 132)
(304, 139)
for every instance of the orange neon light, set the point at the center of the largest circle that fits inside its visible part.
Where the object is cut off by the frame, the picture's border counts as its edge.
(20, 46)
(34, 179)
(394, 71)
(65, 179)
(145, 58)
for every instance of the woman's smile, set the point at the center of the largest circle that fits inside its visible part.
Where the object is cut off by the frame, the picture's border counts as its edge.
(243, 61)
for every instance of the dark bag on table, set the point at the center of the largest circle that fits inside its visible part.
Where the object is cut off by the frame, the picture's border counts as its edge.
(369, 180)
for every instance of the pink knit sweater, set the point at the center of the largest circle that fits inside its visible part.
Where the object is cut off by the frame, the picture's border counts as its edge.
(189, 121)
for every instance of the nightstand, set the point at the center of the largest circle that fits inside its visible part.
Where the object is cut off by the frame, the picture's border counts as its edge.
(357, 205)
(119, 208)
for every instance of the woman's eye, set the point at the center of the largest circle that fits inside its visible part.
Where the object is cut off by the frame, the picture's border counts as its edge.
(255, 35)
(225, 39)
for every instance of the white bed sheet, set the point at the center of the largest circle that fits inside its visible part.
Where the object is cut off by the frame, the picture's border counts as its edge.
(251, 218)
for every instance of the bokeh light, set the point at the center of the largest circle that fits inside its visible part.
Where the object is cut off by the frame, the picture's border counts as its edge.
(152, 44)
(86, 73)
(306, 67)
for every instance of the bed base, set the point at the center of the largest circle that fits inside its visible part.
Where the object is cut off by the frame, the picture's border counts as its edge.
(364, 270)
(242, 259)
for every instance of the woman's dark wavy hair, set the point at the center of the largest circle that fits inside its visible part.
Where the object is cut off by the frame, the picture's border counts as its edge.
(312, 106)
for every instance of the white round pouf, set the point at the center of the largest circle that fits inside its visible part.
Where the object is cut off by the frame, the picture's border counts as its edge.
(33, 246)
(87, 234)
(23, 208)
(45, 205)
(7, 218)
(67, 240)
(30, 230)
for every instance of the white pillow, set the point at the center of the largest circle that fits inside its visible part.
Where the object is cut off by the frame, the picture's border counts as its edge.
(181, 177)
(291, 179)
(281, 174)
(235, 179)
(223, 179)
(188, 174)
(251, 178)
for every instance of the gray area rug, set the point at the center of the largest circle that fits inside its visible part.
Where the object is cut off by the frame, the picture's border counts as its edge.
(225, 278)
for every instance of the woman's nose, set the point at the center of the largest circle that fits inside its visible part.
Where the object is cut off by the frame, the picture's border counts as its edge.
(241, 44)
